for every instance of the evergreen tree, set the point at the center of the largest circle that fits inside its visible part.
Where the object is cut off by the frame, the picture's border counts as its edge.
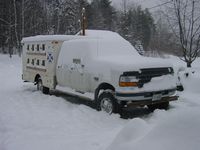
(108, 13)
(35, 18)
(139, 47)
(22, 18)
(103, 15)
(136, 25)
(55, 17)
(68, 14)
(97, 20)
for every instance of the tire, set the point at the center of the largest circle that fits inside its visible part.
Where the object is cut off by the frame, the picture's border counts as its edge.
(180, 88)
(106, 102)
(45, 90)
(164, 105)
(40, 87)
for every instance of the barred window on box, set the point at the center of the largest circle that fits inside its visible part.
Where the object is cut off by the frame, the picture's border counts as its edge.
(38, 62)
(38, 47)
(43, 47)
(28, 47)
(33, 62)
(43, 62)
(32, 47)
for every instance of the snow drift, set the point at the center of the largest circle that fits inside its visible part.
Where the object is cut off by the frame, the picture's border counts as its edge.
(31, 120)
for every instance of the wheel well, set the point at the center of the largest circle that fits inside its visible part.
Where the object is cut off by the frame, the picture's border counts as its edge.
(37, 77)
(103, 86)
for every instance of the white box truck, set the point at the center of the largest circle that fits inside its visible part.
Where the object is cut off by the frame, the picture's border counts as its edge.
(102, 64)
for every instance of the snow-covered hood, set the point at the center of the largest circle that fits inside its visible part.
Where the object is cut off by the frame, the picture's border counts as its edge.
(129, 63)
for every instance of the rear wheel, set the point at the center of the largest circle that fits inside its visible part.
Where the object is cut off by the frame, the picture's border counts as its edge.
(40, 87)
(106, 102)
(164, 105)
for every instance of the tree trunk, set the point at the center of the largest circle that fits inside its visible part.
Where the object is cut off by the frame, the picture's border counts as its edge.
(10, 40)
(22, 18)
(189, 64)
(16, 32)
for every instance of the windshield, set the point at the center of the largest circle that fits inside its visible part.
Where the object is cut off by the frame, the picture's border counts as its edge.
(116, 48)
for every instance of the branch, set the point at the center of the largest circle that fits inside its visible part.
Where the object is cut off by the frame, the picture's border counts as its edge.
(171, 26)
(196, 31)
(192, 28)
(178, 15)
(195, 55)
(197, 19)
(182, 59)
(184, 19)
(4, 21)
(197, 50)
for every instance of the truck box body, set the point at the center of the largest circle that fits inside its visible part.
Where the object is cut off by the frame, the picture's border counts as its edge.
(40, 55)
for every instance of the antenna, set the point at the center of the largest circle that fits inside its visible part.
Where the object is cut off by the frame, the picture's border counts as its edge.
(83, 21)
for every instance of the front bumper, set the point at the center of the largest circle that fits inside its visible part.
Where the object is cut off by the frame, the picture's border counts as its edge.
(147, 96)
(150, 102)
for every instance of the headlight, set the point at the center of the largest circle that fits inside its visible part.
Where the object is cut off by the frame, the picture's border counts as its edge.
(125, 81)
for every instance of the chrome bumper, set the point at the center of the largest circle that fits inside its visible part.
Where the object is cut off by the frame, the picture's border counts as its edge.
(144, 96)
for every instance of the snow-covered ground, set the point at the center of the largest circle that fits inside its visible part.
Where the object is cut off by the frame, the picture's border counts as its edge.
(30, 120)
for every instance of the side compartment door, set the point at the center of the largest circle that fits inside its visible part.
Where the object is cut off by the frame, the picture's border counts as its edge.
(79, 78)
(63, 75)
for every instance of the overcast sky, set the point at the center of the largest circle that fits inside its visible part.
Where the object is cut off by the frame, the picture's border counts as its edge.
(144, 3)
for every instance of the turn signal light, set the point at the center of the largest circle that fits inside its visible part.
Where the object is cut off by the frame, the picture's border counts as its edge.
(125, 84)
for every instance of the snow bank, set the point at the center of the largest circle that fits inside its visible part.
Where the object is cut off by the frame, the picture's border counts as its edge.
(135, 130)
(177, 128)
(31, 120)
(190, 79)
(178, 131)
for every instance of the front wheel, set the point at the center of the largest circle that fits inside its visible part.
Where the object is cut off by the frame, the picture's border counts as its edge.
(40, 87)
(106, 102)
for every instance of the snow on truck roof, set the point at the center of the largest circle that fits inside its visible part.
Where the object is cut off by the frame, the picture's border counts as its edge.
(47, 38)
(90, 34)
(102, 34)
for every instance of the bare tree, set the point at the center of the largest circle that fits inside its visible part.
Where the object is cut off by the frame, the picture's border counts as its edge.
(163, 39)
(185, 24)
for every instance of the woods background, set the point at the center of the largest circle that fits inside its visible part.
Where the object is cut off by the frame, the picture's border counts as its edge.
(23, 18)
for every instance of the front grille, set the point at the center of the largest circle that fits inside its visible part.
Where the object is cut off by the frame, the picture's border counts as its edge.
(145, 75)
(157, 71)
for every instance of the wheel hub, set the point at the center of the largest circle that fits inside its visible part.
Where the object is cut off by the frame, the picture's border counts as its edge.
(106, 105)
